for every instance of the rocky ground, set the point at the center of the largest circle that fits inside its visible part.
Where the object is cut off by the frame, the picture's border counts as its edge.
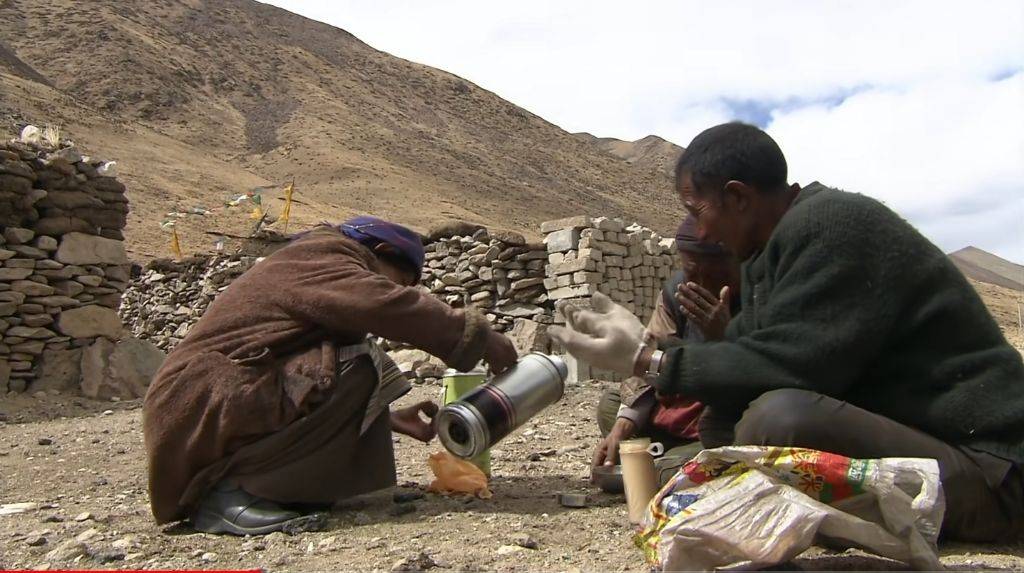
(81, 464)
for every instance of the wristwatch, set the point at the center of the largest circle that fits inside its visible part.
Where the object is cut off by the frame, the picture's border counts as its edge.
(654, 366)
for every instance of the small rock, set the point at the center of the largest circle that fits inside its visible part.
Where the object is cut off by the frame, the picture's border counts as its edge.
(254, 545)
(53, 518)
(360, 518)
(100, 481)
(401, 509)
(108, 412)
(84, 516)
(45, 441)
(407, 496)
(87, 535)
(208, 557)
(68, 550)
(509, 550)
(535, 457)
(108, 555)
(36, 540)
(420, 562)
(124, 543)
(525, 541)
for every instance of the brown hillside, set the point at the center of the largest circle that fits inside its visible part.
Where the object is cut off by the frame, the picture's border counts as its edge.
(200, 100)
(1005, 305)
(648, 153)
(988, 268)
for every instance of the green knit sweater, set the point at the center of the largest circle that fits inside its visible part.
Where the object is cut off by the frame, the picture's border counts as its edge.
(849, 300)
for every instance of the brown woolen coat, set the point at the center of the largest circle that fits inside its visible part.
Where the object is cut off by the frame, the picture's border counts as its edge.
(264, 355)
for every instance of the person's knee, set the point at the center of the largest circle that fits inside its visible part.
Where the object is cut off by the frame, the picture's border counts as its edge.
(608, 410)
(787, 417)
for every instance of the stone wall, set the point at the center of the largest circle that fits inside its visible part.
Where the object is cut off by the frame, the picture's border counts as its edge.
(163, 303)
(514, 283)
(500, 275)
(629, 263)
(64, 266)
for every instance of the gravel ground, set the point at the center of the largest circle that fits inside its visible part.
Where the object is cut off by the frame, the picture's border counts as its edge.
(82, 463)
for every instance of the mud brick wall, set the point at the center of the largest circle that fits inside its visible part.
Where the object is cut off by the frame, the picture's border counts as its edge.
(63, 265)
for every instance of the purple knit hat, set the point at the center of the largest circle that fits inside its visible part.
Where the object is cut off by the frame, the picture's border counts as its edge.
(688, 240)
(370, 231)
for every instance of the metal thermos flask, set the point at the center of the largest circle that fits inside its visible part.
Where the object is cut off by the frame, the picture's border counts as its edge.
(482, 417)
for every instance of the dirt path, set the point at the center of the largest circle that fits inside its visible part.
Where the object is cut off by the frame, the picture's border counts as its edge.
(90, 484)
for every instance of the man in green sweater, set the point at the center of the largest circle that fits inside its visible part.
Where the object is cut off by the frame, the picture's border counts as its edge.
(857, 335)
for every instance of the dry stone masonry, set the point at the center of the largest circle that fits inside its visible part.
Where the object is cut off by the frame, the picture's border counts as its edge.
(500, 275)
(629, 263)
(168, 298)
(63, 265)
(514, 283)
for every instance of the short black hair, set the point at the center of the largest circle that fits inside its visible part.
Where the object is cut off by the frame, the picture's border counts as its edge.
(733, 151)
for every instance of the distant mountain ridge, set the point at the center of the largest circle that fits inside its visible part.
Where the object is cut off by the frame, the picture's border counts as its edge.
(651, 152)
(985, 267)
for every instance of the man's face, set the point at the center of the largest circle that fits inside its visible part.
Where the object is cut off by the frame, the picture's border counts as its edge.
(718, 220)
(711, 271)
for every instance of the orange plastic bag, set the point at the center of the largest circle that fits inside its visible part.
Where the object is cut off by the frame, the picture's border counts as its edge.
(456, 476)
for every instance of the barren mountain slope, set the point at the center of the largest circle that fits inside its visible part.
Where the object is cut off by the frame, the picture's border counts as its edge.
(651, 152)
(985, 267)
(250, 94)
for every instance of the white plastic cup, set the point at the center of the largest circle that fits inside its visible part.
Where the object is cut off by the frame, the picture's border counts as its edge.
(638, 474)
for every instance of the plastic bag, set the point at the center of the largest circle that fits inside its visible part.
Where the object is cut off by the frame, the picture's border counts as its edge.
(754, 507)
(456, 476)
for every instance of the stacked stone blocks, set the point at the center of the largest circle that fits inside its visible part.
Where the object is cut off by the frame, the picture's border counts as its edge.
(63, 265)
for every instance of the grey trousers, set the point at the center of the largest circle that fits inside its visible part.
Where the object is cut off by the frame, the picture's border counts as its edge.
(984, 493)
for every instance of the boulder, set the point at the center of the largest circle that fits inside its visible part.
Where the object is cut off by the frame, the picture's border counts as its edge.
(453, 229)
(432, 369)
(60, 225)
(529, 336)
(123, 369)
(59, 370)
(90, 321)
(82, 249)
(32, 288)
(17, 236)
(510, 238)
(410, 359)
(29, 332)
(518, 310)
(14, 274)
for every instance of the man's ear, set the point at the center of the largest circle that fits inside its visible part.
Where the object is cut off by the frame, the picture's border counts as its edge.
(738, 196)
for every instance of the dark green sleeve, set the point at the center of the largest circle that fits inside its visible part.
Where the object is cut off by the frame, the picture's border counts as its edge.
(821, 311)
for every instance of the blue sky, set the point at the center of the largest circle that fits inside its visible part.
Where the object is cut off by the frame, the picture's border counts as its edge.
(917, 103)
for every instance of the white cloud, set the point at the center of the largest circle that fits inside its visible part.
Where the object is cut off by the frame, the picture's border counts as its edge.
(918, 103)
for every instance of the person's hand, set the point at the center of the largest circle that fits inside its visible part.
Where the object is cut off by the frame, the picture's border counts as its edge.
(608, 337)
(607, 451)
(709, 313)
(407, 421)
(500, 353)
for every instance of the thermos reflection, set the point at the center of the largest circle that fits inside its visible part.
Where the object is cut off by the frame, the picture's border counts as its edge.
(485, 415)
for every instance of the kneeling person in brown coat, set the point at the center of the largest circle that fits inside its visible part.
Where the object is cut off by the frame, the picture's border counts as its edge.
(276, 403)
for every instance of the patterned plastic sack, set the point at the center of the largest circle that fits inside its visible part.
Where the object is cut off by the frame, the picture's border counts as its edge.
(752, 507)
